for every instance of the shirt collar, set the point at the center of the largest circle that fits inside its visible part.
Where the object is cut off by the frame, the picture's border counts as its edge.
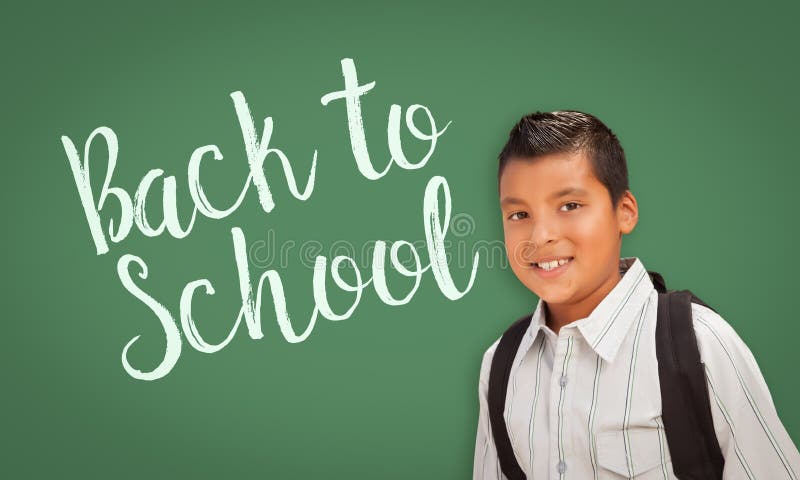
(605, 328)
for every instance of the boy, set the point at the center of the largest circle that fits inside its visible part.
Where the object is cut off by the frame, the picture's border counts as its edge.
(583, 398)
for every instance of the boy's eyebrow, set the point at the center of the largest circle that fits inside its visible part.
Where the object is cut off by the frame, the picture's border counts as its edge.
(569, 191)
(561, 193)
(511, 200)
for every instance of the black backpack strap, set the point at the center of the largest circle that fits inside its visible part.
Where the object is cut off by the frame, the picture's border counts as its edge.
(498, 386)
(686, 410)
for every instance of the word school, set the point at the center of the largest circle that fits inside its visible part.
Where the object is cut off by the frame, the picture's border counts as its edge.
(133, 212)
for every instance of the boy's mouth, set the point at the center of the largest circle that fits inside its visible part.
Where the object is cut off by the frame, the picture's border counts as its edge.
(553, 266)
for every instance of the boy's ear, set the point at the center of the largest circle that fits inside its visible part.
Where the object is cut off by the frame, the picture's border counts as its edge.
(627, 212)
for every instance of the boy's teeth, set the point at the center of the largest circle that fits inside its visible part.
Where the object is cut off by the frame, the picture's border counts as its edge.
(553, 264)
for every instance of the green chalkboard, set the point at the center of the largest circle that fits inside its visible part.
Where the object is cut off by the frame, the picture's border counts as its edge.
(107, 374)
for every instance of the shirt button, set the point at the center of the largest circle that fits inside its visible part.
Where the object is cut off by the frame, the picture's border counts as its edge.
(562, 467)
(563, 380)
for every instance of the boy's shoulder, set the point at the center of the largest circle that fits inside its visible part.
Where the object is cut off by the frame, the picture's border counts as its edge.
(488, 354)
(729, 364)
(715, 336)
(486, 362)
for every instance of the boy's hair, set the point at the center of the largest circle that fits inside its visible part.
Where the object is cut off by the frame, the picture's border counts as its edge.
(570, 131)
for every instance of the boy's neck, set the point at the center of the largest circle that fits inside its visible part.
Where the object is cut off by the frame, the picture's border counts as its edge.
(559, 315)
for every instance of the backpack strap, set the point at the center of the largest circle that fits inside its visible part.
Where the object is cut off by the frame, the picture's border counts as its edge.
(686, 410)
(498, 386)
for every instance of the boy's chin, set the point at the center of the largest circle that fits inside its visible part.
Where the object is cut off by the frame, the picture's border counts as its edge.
(553, 296)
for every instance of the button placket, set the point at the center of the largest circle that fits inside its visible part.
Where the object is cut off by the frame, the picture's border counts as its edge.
(564, 351)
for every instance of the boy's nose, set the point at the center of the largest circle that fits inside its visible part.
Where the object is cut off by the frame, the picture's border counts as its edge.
(541, 234)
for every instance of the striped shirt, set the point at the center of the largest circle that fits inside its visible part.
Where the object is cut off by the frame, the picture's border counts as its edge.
(586, 403)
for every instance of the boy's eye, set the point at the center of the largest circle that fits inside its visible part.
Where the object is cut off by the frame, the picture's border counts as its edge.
(571, 203)
(517, 216)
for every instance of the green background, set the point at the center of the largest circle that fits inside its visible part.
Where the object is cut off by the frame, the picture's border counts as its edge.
(703, 97)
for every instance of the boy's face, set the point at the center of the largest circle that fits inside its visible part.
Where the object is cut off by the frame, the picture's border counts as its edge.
(543, 220)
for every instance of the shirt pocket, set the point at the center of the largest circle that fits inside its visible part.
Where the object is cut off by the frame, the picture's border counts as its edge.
(646, 448)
